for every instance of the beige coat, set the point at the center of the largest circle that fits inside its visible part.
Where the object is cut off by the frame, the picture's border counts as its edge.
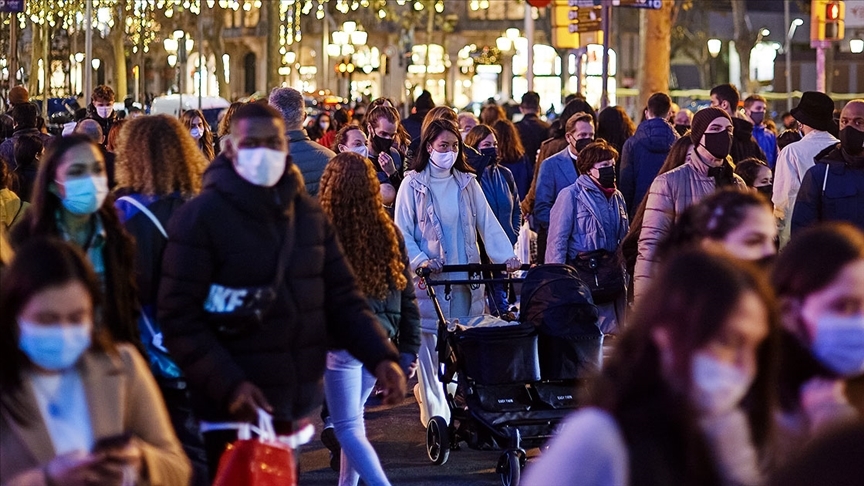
(670, 194)
(122, 397)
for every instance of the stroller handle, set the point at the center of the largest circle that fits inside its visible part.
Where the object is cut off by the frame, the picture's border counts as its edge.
(471, 267)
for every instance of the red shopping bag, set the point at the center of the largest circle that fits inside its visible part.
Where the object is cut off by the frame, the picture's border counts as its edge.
(263, 461)
(256, 463)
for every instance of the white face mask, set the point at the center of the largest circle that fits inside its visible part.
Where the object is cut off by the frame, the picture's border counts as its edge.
(718, 387)
(362, 150)
(443, 160)
(104, 111)
(261, 166)
(196, 133)
(85, 195)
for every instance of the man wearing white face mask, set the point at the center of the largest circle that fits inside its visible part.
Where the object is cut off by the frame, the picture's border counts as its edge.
(101, 109)
(255, 288)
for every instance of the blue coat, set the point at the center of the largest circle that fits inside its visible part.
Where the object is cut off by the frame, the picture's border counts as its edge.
(583, 219)
(556, 173)
(842, 199)
(767, 142)
(523, 174)
(641, 158)
(501, 193)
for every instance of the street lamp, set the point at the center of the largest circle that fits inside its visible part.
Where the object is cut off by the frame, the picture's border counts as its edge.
(856, 46)
(714, 46)
(787, 48)
(344, 45)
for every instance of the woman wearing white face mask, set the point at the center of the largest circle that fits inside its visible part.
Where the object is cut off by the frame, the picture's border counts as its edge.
(819, 279)
(686, 397)
(71, 201)
(75, 409)
(441, 209)
(198, 127)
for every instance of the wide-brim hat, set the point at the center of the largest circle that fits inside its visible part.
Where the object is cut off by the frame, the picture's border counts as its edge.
(815, 110)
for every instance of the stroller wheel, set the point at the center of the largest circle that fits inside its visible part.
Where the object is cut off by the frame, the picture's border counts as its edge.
(509, 468)
(438, 440)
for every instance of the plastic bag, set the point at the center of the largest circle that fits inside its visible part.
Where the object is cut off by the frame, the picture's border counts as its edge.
(263, 461)
(525, 243)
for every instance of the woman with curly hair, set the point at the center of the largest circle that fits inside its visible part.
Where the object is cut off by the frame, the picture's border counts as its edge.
(71, 202)
(159, 167)
(350, 197)
(198, 127)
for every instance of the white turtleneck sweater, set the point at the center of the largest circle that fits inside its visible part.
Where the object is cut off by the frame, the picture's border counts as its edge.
(445, 200)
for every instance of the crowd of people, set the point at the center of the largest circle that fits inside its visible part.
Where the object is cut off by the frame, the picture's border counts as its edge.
(161, 278)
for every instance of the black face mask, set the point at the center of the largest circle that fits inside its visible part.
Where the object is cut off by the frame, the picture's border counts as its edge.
(607, 177)
(381, 145)
(718, 144)
(682, 129)
(758, 117)
(582, 143)
(852, 141)
(767, 191)
(490, 152)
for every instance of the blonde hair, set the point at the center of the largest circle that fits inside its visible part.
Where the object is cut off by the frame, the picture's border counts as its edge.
(351, 198)
(156, 155)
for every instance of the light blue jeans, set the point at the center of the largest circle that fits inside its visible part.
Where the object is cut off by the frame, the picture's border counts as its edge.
(347, 385)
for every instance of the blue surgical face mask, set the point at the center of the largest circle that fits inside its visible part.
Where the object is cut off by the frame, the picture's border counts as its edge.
(838, 343)
(53, 347)
(85, 195)
(717, 386)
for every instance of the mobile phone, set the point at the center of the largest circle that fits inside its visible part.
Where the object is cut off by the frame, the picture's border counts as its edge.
(112, 443)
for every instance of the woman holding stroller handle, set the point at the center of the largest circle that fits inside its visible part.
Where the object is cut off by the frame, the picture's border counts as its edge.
(350, 197)
(687, 397)
(591, 215)
(819, 280)
(441, 209)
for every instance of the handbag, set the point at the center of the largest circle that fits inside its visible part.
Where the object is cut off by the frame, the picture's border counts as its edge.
(262, 461)
(603, 272)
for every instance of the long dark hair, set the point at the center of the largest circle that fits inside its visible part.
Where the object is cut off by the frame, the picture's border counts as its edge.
(615, 126)
(39, 264)
(433, 130)
(692, 299)
(510, 149)
(808, 264)
(121, 303)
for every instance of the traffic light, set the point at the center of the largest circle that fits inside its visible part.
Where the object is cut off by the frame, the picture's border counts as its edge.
(834, 24)
(827, 20)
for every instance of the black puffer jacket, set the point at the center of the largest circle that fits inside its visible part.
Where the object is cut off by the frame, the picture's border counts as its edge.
(228, 240)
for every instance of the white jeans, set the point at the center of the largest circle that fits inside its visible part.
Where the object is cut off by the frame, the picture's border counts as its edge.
(347, 385)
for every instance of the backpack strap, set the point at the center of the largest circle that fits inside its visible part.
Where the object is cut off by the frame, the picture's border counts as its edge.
(146, 212)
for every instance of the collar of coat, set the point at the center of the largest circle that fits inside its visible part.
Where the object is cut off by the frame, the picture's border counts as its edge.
(257, 201)
(419, 181)
(100, 374)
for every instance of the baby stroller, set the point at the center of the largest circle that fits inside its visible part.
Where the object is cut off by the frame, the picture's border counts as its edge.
(515, 381)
